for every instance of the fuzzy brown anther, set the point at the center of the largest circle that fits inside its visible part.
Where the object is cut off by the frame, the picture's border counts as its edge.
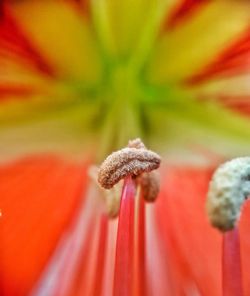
(130, 161)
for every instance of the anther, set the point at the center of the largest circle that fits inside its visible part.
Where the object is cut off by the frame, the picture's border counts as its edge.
(150, 185)
(111, 198)
(136, 143)
(149, 182)
(228, 189)
(127, 162)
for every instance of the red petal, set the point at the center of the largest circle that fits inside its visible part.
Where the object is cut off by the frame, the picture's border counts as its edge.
(19, 91)
(82, 5)
(185, 9)
(239, 104)
(234, 60)
(192, 245)
(38, 198)
(14, 42)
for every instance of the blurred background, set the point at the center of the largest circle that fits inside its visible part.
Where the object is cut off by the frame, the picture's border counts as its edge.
(78, 79)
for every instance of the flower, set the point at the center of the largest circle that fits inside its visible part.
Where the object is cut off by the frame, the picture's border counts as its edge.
(78, 79)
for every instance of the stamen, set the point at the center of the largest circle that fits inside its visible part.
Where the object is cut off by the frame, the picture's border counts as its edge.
(231, 264)
(123, 275)
(100, 261)
(135, 161)
(134, 164)
(126, 162)
(136, 143)
(110, 197)
(150, 185)
(113, 199)
(149, 182)
(228, 189)
(140, 286)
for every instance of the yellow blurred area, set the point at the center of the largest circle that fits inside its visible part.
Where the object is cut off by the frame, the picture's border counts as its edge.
(57, 131)
(189, 47)
(63, 36)
(15, 73)
(122, 24)
(235, 86)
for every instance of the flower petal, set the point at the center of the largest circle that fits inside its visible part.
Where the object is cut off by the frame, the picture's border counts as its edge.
(193, 246)
(38, 199)
(234, 60)
(125, 25)
(15, 45)
(27, 129)
(185, 50)
(70, 49)
(183, 10)
(233, 92)
(181, 122)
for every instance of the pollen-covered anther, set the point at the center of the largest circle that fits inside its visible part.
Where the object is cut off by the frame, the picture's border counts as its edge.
(136, 143)
(150, 185)
(228, 189)
(128, 161)
(111, 198)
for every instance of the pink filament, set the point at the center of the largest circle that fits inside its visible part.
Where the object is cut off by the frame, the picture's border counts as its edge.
(231, 263)
(139, 263)
(123, 277)
(100, 264)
